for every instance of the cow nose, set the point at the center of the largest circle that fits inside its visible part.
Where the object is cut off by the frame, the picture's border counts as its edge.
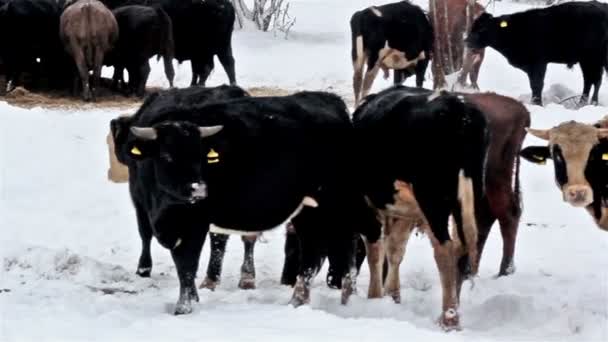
(199, 190)
(579, 196)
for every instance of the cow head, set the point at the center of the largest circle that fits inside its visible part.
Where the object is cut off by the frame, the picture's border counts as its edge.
(579, 154)
(486, 30)
(180, 154)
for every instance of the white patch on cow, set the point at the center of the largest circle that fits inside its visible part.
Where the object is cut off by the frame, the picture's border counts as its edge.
(360, 60)
(461, 98)
(177, 243)
(199, 190)
(38, 60)
(433, 96)
(307, 201)
(376, 12)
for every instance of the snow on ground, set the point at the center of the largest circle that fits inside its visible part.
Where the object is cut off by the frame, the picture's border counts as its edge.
(69, 236)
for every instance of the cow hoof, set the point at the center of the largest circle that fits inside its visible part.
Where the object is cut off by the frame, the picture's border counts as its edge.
(450, 321)
(209, 284)
(506, 270)
(395, 295)
(144, 272)
(183, 309)
(301, 293)
(247, 282)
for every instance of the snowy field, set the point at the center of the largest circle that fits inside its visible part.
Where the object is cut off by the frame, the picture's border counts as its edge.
(67, 233)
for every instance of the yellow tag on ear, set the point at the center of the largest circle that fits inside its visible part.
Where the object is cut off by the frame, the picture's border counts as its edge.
(605, 156)
(213, 157)
(135, 151)
(504, 24)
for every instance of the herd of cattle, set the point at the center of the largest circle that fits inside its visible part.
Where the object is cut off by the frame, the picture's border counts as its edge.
(51, 39)
(219, 161)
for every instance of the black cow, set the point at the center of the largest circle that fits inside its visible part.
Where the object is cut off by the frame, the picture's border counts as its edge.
(189, 97)
(433, 146)
(186, 169)
(31, 39)
(201, 30)
(569, 33)
(144, 32)
(396, 36)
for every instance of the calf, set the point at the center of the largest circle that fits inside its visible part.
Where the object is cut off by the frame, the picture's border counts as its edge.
(144, 32)
(186, 172)
(580, 160)
(437, 143)
(88, 30)
(452, 22)
(532, 39)
(395, 36)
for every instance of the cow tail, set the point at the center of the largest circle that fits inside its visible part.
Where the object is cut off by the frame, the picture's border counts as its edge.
(167, 44)
(89, 47)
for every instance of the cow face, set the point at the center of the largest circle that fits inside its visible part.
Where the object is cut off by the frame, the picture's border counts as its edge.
(180, 155)
(485, 31)
(579, 156)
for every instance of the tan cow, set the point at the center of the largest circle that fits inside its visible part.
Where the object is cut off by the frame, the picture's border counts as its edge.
(580, 158)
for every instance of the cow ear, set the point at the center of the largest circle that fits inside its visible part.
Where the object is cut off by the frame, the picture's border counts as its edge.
(602, 133)
(536, 154)
(539, 133)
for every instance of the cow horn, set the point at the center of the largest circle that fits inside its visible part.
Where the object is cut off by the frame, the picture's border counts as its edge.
(207, 131)
(310, 202)
(144, 133)
(602, 133)
(539, 133)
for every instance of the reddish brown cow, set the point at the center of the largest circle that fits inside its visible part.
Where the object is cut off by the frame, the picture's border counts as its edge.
(451, 19)
(88, 30)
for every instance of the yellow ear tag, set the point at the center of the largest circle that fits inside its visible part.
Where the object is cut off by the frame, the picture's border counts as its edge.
(213, 157)
(504, 24)
(135, 151)
(605, 156)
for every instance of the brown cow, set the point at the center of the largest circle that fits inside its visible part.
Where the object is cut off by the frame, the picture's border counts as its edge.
(580, 158)
(451, 19)
(507, 122)
(88, 30)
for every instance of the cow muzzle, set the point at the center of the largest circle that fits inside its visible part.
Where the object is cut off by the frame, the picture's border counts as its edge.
(199, 191)
(578, 195)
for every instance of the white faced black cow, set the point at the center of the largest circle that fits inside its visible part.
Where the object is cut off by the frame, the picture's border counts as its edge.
(580, 159)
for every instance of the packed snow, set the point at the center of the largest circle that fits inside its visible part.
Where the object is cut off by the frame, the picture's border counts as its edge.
(69, 243)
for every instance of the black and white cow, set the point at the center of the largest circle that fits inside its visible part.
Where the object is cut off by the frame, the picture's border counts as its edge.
(247, 164)
(396, 36)
(432, 147)
(569, 33)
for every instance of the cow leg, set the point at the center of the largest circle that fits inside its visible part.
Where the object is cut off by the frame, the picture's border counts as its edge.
(342, 274)
(144, 73)
(291, 264)
(398, 77)
(446, 264)
(397, 233)
(467, 65)
(307, 225)
(375, 261)
(117, 77)
(216, 260)
(83, 73)
(485, 221)
(98, 64)
(196, 69)
(474, 75)
(373, 67)
(186, 257)
(508, 230)
(592, 75)
(227, 60)
(536, 74)
(144, 267)
(207, 67)
(247, 281)
(420, 69)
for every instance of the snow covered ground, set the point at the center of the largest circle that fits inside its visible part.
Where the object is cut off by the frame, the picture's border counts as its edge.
(68, 235)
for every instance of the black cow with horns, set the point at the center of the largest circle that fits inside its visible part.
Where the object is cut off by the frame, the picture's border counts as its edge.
(186, 167)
